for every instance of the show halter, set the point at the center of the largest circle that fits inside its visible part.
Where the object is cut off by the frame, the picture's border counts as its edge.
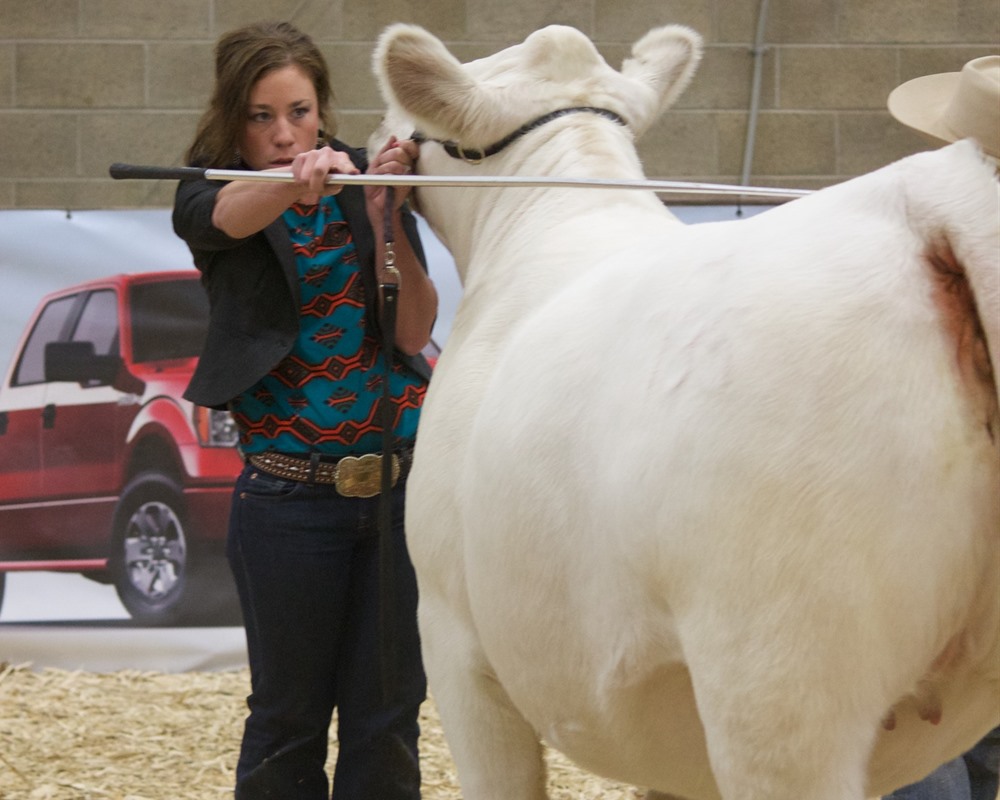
(475, 156)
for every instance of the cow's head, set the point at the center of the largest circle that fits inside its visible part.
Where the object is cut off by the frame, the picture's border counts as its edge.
(477, 103)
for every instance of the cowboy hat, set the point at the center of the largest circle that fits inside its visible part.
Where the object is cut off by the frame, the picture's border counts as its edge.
(954, 105)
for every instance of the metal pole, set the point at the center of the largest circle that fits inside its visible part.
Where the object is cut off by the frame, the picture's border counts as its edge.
(758, 52)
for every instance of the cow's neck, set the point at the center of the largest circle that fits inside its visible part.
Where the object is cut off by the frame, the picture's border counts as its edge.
(534, 232)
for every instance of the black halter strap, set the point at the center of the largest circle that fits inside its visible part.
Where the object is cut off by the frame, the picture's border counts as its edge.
(474, 155)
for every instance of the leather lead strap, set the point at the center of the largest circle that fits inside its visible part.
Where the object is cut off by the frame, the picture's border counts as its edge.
(389, 290)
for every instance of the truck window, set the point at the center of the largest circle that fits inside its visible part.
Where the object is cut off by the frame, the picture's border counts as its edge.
(50, 327)
(99, 323)
(169, 320)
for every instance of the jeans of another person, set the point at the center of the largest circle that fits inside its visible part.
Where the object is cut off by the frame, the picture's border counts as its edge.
(306, 562)
(973, 776)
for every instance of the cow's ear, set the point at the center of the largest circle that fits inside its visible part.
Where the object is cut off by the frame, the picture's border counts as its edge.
(664, 60)
(416, 72)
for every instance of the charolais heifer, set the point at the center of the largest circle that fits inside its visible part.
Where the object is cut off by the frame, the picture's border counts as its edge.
(711, 509)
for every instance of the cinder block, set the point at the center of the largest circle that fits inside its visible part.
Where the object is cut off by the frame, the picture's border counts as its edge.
(979, 21)
(731, 133)
(143, 19)
(872, 140)
(915, 62)
(158, 139)
(6, 75)
(786, 143)
(472, 51)
(351, 75)
(321, 19)
(510, 22)
(73, 76)
(354, 127)
(53, 19)
(95, 193)
(788, 21)
(37, 144)
(180, 75)
(616, 21)
(831, 77)
(364, 20)
(890, 21)
(724, 80)
(681, 144)
(60, 57)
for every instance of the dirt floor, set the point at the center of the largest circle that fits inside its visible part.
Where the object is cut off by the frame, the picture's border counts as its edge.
(152, 736)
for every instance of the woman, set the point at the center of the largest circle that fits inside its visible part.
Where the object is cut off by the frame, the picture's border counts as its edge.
(293, 350)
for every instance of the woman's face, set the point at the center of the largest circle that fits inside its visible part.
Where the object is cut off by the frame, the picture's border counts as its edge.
(282, 119)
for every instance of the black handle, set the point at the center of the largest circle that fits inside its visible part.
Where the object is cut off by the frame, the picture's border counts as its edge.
(132, 171)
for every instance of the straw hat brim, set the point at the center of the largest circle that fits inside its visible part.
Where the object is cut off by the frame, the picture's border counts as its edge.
(950, 106)
(920, 104)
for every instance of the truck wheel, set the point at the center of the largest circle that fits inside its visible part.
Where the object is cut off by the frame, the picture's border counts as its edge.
(161, 578)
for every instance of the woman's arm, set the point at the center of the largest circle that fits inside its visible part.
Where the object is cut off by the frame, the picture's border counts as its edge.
(243, 208)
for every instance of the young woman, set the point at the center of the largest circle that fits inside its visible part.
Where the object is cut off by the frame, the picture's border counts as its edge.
(294, 352)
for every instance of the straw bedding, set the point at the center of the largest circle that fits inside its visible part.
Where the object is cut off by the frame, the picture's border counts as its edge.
(153, 736)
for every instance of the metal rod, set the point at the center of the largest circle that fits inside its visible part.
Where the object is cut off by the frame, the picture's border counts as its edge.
(674, 187)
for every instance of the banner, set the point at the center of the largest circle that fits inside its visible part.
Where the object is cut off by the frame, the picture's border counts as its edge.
(114, 491)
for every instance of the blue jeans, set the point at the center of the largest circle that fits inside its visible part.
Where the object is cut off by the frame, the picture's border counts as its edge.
(306, 561)
(973, 776)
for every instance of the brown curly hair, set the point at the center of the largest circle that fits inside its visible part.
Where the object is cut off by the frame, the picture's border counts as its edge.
(243, 57)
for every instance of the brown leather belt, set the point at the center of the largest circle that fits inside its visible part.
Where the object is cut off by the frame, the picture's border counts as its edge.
(352, 476)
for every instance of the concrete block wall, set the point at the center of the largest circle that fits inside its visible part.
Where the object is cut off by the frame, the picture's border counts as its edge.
(84, 83)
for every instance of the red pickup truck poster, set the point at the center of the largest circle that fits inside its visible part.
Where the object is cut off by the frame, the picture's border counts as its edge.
(108, 474)
(114, 490)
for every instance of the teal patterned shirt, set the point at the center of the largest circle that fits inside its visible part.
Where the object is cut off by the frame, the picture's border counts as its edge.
(325, 395)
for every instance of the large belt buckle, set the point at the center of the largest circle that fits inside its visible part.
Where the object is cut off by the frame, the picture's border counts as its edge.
(361, 476)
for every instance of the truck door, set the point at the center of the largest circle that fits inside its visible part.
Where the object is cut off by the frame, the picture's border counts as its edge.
(22, 415)
(81, 439)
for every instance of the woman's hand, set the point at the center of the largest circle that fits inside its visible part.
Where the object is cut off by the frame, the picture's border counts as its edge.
(417, 306)
(244, 207)
(311, 169)
(395, 158)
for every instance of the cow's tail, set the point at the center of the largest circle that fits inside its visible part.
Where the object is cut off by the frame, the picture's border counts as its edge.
(953, 201)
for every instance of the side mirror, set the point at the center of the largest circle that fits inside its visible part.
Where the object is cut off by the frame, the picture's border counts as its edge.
(77, 362)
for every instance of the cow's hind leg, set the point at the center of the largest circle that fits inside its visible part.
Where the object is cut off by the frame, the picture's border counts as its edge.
(497, 753)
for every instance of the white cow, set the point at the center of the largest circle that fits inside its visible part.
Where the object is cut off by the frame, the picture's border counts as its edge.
(703, 507)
